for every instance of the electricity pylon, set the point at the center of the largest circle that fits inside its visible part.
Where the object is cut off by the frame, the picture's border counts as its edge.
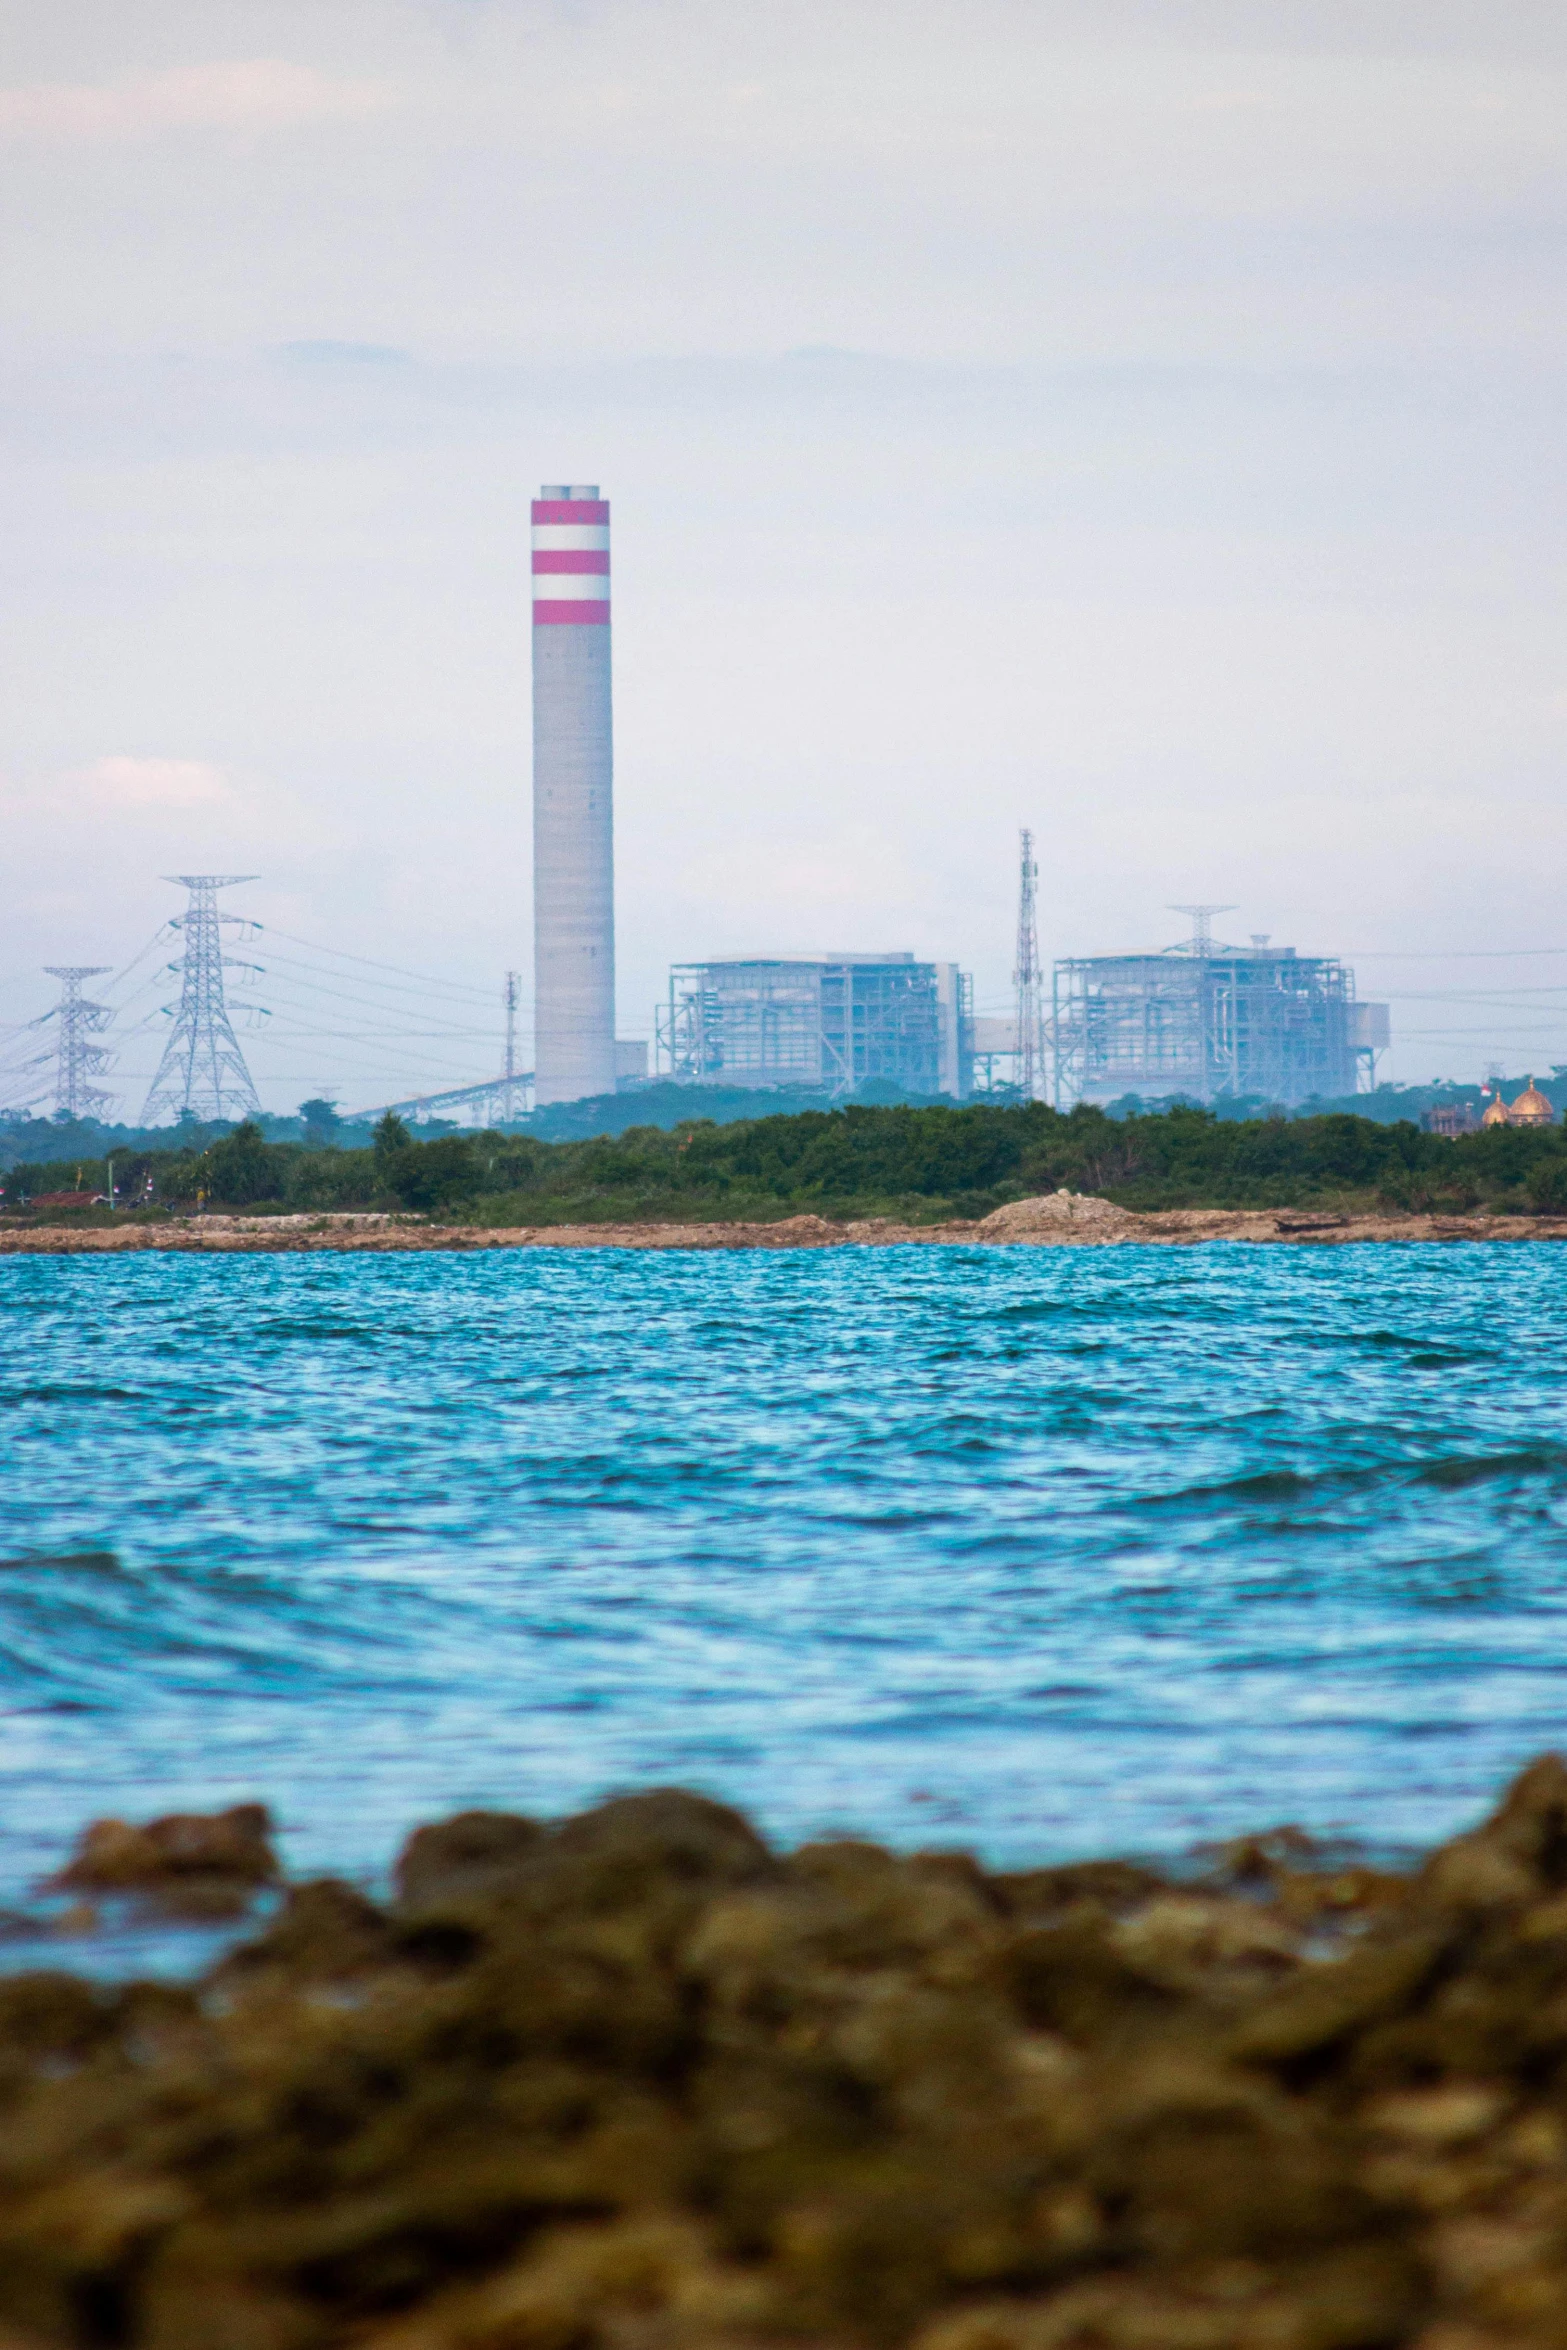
(77, 1060)
(203, 1070)
(1030, 1036)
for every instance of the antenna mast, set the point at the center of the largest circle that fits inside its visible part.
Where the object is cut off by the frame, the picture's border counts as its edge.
(1030, 1039)
(203, 1071)
(510, 999)
(1201, 941)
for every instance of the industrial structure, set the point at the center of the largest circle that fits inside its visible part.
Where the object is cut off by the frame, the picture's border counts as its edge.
(573, 814)
(1203, 1020)
(825, 1023)
(498, 1101)
(1199, 1020)
(202, 1073)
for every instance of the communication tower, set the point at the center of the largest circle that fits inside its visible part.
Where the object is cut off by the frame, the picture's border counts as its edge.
(203, 1070)
(1030, 1039)
(77, 1059)
(1201, 940)
(510, 1090)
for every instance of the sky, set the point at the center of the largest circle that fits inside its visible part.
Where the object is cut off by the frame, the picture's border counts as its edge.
(1142, 422)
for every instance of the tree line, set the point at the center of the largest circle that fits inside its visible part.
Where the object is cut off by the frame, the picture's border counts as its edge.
(922, 1163)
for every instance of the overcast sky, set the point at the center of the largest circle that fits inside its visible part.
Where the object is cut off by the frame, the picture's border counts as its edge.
(1139, 421)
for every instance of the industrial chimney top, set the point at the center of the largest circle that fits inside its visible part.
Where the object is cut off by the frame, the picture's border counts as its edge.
(570, 489)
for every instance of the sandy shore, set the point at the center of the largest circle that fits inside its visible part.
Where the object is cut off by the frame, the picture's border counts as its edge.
(1059, 1219)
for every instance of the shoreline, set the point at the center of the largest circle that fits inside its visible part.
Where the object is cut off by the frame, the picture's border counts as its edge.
(1057, 1219)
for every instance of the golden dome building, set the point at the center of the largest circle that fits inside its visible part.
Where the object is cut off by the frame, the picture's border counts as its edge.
(1531, 1108)
(1495, 1112)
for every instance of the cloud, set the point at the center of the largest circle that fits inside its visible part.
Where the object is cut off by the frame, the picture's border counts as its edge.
(123, 782)
(242, 94)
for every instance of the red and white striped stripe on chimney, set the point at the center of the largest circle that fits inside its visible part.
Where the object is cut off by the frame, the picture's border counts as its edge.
(570, 556)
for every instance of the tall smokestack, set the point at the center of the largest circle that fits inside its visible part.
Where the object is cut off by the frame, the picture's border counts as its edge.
(573, 816)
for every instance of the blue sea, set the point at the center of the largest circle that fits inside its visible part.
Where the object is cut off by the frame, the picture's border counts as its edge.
(1042, 1552)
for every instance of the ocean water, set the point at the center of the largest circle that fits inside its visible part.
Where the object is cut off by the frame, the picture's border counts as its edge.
(1045, 1553)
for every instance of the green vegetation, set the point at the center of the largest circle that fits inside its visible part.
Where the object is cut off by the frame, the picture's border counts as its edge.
(922, 1164)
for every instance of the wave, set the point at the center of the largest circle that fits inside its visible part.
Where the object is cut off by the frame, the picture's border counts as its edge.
(93, 1629)
(75, 1393)
(73, 1562)
(1449, 1471)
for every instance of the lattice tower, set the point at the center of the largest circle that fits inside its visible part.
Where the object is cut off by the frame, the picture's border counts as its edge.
(77, 1059)
(1201, 940)
(1030, 1038)
(510, 997)
(202, 1070)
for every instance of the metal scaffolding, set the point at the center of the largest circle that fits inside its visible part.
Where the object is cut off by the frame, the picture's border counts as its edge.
(1204, 1020)
(829, 1024)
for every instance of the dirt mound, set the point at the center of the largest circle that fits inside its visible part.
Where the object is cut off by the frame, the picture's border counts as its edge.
(800, 1232)
(635, 2082)
(1055, 1215)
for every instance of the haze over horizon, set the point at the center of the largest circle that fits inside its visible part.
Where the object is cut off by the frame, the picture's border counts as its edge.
(1138, 421)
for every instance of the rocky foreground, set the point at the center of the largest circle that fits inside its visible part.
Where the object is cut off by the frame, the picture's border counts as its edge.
(1060, 1218)
(636, 2082)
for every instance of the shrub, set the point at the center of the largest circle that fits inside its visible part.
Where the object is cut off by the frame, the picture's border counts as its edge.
(435, 1174)
(243, 1167)
(1546, 1186)
(1417, 1191)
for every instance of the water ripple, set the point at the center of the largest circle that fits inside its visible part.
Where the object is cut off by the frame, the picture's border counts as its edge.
(1091, 1550)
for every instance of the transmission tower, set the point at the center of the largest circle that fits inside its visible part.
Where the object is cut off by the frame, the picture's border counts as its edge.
(509, 997)
(1030, 1038)
(77, 1060)
(203, 1070)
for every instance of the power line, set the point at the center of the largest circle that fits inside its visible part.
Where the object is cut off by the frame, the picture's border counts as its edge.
(394, 987)
(157, 938)
(339, 995)
(1443, 955)
(458, 986)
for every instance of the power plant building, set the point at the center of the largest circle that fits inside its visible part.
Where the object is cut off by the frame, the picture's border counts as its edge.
(573, 805)
(825, 1023)
(1203, 1020)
